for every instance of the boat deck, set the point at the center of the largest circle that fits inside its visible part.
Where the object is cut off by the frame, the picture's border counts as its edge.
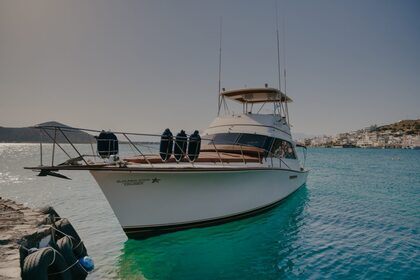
(204, 157)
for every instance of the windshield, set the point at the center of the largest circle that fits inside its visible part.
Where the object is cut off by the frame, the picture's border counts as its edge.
(277, 147)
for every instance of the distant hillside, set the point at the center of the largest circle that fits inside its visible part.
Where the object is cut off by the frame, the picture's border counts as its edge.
(301, 136)
(408, 127)
(33, 135)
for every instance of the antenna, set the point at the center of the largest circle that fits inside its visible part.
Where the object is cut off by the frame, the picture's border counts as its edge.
(278, 44)
(220, 66)
(278, 54)
(284, 65)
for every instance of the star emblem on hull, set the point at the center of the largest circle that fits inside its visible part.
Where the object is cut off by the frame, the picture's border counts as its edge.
(155, 180)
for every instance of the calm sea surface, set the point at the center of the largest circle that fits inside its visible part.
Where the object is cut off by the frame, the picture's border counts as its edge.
(358, 217)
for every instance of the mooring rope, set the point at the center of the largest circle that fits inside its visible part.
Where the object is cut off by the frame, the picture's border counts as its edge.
(69, 236)
(55, 251)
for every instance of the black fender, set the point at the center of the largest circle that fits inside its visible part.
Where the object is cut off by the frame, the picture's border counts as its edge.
(180, 147)
(194, 146)
(166, 145)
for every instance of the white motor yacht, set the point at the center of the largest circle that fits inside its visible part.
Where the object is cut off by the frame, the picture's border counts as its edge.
(242, 164)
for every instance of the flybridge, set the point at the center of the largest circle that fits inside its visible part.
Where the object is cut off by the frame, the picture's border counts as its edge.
(256, 95)
(249, 97)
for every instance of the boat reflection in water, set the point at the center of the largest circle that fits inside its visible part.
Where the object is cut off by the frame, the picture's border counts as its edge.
(259, 247)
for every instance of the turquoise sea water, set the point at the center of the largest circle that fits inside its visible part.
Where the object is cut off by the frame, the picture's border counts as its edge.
(358, 217)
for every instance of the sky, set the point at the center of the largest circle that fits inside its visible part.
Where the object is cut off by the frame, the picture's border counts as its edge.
(144, 66)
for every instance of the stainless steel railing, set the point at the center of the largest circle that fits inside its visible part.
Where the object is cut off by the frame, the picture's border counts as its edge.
(136, 145)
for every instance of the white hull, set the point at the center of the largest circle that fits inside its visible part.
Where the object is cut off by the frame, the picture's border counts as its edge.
(151, 202)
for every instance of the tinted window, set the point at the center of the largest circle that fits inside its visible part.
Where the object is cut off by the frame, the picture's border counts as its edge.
(276, 148)
(244, 139)
(225, 138)
(253, 140)
(279, 148)
(289, 152)
(283, 149)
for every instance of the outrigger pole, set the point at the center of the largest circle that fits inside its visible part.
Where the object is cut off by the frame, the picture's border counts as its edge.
(284, 62)
(278, 55)
(220, 67)
(285, 108)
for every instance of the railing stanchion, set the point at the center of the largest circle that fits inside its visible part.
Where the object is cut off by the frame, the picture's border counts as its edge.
(217, 151)
(45, 131)
(242, 153)
(77, 151)
(40, 147)
(93, 151)
(135, 147)
(53, 148)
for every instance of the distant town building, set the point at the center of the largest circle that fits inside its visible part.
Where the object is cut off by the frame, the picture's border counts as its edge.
(404, 134)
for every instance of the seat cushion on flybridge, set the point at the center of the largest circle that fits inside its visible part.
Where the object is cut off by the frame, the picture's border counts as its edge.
(211, 157)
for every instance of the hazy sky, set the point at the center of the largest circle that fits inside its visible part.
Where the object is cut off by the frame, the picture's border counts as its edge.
(147, 65)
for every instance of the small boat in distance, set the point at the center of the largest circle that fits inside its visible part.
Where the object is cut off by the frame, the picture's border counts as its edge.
(242, 164)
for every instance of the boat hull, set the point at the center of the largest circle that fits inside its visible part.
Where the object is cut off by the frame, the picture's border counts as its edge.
(149, 203)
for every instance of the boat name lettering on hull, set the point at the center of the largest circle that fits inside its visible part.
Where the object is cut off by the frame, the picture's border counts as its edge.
(137, 182)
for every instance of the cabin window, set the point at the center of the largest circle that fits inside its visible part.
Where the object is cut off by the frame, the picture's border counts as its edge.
(225, 138)
(283, 149)
(244, 139)
(279, 148)
(253, 140)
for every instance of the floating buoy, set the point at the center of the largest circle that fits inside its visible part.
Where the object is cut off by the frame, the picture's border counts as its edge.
(180, 145)
(166, 145)
(194, 145)
(87, 263)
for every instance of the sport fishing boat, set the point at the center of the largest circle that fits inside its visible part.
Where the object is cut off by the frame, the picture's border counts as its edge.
(242, 164)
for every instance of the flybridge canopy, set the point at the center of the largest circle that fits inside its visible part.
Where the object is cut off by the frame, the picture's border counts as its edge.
(256, 95)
